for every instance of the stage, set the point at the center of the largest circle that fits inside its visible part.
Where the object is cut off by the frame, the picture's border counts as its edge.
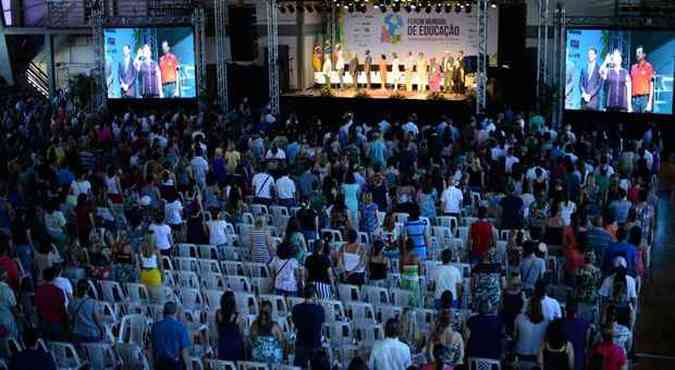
(376, 104)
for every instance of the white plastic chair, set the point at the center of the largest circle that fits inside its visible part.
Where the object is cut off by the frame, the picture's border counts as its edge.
(238, 283)
(133, 329)
(208, 265)
(333, 310)
(401, 217)
(64, 355)
(187, 279)
(401, 297)
(208, 251)
(186, 250)
(100, 355)
(213, 281)
(375, 295)
(221, 365)
(132, 356)
(186, 264)
(230, 254)
(369, 334)
(232, 268)
(112, 291)
(478, 363)
(348, 293)
(335, 235)
(251, 365)
(168, 278)
(262, 285)
(257, 270)
(191, 298)
(339, 333)
(386, 312)
(246, 303)
(197, 363)
(279, 306)
(362, 314)
(138, 293)
(212, 297)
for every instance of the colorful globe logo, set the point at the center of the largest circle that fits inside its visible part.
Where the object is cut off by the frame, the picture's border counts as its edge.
(392, 24)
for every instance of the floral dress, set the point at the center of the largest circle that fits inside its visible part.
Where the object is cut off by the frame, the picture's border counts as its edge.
(266, 348)
(487, 284)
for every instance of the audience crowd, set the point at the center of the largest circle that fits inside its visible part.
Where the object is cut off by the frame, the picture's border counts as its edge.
(177, 240)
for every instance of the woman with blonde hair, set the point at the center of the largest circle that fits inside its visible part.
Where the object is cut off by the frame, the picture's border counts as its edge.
(262, 249)
(150, 265)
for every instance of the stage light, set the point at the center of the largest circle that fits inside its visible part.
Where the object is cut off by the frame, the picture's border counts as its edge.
(418, 8)
(362, 8)
(467, 8)
(448, 8)
(396, 8)
(408, 8)
(458, 8)
(493, 4)
(439, 8)
(350, 8)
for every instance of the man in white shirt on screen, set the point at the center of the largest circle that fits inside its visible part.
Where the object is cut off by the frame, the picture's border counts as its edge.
(390, 353)
(452, 199)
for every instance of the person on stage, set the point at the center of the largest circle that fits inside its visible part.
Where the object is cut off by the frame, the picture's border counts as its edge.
(317, 54)
(617, 83)
(383, 72)
(354, 69)
(409, 65)
(150, 76)
(395, 71)
(340, 64)
(327, 63)
(127, 74)
(367, 66)
(590, 82)
(447, 66)
(170, 68)
(642, 80)
(435, 76)
(458, 73)
(422, 73)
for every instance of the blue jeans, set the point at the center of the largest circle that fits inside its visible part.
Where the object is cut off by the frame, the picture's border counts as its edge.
(290, 202)
(640, 103)
(169, 89)
(52, 330)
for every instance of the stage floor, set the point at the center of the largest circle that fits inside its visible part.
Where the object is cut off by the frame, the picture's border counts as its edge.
(377, 94)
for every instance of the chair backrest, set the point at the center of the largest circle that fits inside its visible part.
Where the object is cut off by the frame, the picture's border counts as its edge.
(364, 239)
(401, 217)
(262, 285)
(463, 232)
(250, 365)
(197, 363)
(257, 270)
(386, 312)
(167, 263)
(191, 298)
(208, 251)
(367, 335)
(375, 295)
(232, 268)
(133, 329)
(107, 311)
(348, 293)
(259, 210)
(246, 303)
(100, 355)
(186, 264)
(221, 365)
(339, 333)
(401, 297)
(212, 297)
(333, 310)
(477, 363)
(186, 250)
(168, 278)
(132, 355)
(208, 265)
(3, 365)
(335, 235)
(65, 355)
(138, 293)
(213, 280)
(362, 314)
(187, 279)
(112, 291)
(230, 254)
(238, 283)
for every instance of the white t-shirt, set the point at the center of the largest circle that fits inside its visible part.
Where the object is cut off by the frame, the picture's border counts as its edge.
(172, 212)
(452, 199)
(112, 183)
(162, 236)
(390, 354)
(566, 210)
(80, 187)
(285, 274)
(65, 285)
(446, 277)
(285, 188)
(217, 233)
(528, 199)
(280, 154)
(263, 183)
(550, 308)
(607, 287)
(509, 162)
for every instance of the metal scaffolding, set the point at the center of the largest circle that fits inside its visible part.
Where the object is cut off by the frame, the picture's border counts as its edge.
(560, 57)
(221, 8)
(543, 78)
(481, 72)
(273, 55)
(199, 24)
(100, 90)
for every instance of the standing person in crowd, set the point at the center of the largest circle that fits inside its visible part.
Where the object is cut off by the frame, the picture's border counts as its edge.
(266, 337)
(352, 259)
(418, 231)
(452, 200)
(308, 318)
(51, 307)
(9, 310)
(390, 353)
(550, 307)
(230, 335)
(85, 320)
(588, 279)
(411, 269)
(286, 190)
(513, 302)
(447, 277)
(320, 272)
(482, 236)
(483, 333)
(577, 331)
(487, 279)
(286, 271)
(530, 330)
(263, 185)
(532, 268)
(32, 357)
(170, 341)
(557, 352)
(613, 356)
(162, 237)
(378, 264)
(150, 265)
(262, 248)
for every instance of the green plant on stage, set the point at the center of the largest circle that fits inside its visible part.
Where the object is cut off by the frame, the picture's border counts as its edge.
(362, 94)
(397, 95)
(326, 91)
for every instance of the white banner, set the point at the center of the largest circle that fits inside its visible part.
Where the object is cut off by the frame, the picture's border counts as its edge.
(430, 33)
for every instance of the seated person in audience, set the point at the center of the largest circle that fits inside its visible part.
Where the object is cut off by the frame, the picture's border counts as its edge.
(32, 357)
(308, 319)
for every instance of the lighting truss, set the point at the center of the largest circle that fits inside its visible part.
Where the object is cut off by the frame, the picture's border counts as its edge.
(221, 16)
(273, 55)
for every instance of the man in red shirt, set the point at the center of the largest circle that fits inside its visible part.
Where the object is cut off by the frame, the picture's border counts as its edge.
(482, 236)
(50, 304)
(642, 82)
(613, 357)
(169, 67)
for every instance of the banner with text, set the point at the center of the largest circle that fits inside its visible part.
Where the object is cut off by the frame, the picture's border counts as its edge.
(430, 33)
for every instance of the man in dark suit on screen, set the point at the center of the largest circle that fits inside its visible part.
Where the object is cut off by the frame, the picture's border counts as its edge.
(590, 82)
